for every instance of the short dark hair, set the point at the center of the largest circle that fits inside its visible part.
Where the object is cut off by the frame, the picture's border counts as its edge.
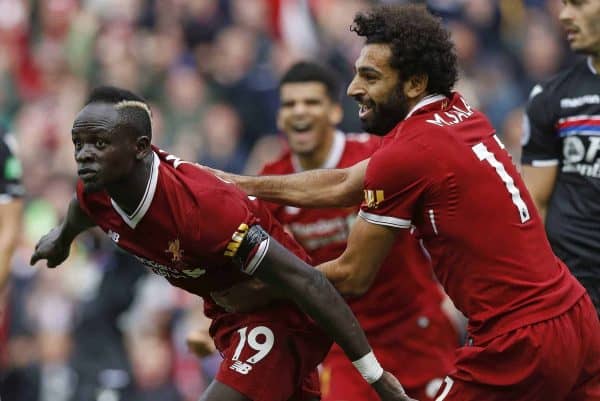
(134, 116)
(309, 71)
(419, 43)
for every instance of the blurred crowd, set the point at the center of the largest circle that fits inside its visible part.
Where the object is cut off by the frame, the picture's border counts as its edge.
(210, 70)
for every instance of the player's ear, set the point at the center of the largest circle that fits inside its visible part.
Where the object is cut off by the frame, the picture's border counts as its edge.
(142, 147)
(416, 86)
(336, 114)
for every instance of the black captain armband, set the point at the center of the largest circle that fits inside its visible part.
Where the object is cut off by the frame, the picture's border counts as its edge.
(248, 247)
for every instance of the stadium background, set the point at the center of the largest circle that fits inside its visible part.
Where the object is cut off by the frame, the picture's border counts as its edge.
(210, 70)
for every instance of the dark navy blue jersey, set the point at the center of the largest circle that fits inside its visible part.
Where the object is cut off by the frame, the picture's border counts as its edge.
(562, 128)
(10, 172)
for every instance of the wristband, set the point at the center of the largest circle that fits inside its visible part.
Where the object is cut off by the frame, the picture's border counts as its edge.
(369, 368)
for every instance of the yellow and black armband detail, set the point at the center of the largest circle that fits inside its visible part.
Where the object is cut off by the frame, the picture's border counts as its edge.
(248, 247)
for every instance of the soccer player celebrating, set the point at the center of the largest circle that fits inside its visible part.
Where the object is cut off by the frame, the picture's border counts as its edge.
(533, 333)
(561, 149)
(204, 235)
(402, 316)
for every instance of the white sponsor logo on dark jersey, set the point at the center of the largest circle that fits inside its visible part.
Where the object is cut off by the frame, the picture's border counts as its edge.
(567, 103)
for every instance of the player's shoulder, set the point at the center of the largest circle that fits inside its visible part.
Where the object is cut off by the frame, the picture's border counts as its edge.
(558, 85)
(190, 187)
(282, 165)
(358, 146)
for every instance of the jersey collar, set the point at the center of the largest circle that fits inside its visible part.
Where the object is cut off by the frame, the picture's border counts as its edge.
(427, 100)
(590, 64)
(335, 154)
(140, 211)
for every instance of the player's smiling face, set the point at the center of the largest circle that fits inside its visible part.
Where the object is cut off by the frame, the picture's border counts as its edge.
(377, 88)
(581, 21)
(307, 115)
(103, 155)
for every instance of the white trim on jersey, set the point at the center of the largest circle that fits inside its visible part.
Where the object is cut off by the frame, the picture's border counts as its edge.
(424, 102)
(385, 220)
(590, 64)
(335, 153)
(144, 205)
(257, 258)
(545, 163)
(579, 117)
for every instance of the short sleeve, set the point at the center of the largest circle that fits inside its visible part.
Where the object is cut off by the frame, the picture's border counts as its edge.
(541, 144)
(220, 221)
(10, 174)
(397, 177)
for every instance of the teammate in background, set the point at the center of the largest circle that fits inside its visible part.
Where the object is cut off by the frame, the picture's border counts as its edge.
(204, 235)
(533, 333)
(402, 316)
(11, 205)
(561, 149)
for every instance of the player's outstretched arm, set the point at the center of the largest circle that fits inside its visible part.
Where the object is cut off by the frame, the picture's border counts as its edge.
(266, 259)
(314, 188)
(55, 246)
(368, 245)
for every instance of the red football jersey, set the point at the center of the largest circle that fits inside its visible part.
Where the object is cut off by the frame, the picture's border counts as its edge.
(393, 298)
(183, 226)
(445, 172)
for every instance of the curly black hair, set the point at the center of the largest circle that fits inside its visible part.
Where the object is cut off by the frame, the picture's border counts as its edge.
(419, 43)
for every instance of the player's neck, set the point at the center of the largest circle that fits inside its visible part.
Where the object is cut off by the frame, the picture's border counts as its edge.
(317, 158)
(128, 193)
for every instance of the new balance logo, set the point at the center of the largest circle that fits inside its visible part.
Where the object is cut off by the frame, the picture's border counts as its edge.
(113, 235)
(241, 367)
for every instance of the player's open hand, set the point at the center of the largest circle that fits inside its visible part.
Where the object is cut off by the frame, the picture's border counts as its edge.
(52, 248)
(389, 389)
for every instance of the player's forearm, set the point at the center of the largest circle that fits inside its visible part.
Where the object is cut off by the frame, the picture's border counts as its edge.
(74, 223)
(315, 295)
(348, 281)
(315, 188)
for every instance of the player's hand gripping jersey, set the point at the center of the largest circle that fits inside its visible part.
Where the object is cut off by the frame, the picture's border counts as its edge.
(186, 229)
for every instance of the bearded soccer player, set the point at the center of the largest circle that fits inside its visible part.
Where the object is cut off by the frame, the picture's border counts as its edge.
(402, 316)
(533, 331)
(561, 149)
(204, 235)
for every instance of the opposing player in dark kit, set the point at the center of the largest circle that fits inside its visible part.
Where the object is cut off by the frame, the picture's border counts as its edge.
(204, 235)
(533, 333)
(561, 150)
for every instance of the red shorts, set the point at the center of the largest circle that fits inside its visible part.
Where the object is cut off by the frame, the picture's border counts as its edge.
(554, 360)
(420, 356)
(270, 361)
